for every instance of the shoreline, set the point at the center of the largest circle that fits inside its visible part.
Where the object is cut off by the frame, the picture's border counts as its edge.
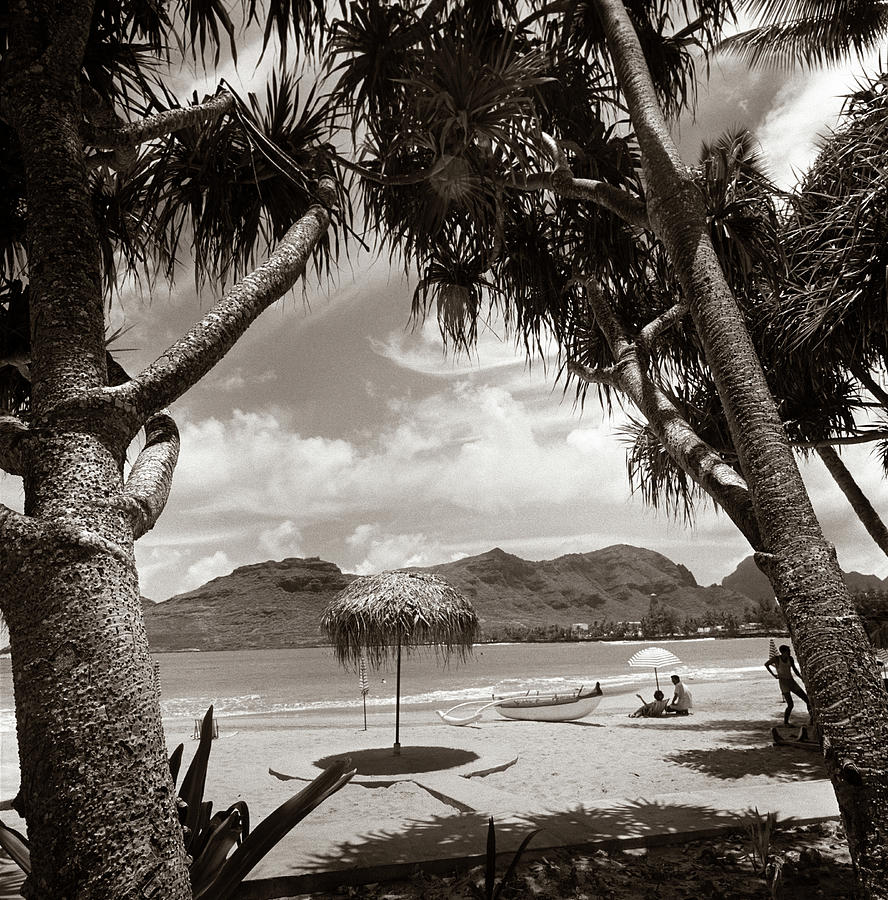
(560, 769)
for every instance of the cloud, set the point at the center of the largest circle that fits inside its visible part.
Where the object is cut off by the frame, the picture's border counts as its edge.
(281, 541)
(238, 380)
(475, 447)
(392, 551)
(12, 491)
(804, 111)
(422, 351)
(207, 568)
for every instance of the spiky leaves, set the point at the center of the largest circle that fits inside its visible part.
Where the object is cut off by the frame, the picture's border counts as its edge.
(809, 32)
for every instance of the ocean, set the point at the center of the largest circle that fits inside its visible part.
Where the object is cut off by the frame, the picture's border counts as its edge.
(267, 682)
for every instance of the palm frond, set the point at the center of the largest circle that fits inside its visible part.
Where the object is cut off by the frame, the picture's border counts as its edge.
(809, 33)
(235, 196)
(653, 474)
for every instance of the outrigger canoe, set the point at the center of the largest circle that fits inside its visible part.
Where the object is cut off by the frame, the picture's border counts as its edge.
(564, 706)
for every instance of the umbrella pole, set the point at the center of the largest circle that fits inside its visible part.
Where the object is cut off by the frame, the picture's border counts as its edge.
(656, 678)
(397, 747)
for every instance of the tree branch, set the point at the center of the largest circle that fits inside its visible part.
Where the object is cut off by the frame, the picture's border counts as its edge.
(131, 134)
(860, 503)
(865, 438)
(695, 457)
(147, 488)
(630, 209)
(207, 342)
(13, 436)
(561, 181)
(656, 327)
(391, 180)
(608, 376)
(21, 535)
(870, 383)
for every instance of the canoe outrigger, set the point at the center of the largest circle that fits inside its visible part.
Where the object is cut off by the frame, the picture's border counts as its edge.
(531, 706)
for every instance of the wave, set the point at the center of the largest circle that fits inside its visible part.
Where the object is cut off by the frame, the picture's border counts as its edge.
(256, 704)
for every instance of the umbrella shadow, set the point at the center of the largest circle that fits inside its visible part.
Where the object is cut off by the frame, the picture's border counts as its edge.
(382, 761)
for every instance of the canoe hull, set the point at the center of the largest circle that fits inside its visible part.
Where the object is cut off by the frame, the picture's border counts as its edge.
(550, 707)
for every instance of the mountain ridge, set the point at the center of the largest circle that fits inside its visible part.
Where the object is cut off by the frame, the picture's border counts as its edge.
(278, 603)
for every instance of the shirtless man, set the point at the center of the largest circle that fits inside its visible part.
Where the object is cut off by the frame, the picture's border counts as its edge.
(785, 667)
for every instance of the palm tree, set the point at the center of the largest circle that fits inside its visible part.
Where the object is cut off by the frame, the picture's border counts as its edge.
(818, 400)
(512, 178)
(809, 32)
(104, 173)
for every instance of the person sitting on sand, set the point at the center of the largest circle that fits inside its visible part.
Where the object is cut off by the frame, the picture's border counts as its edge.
(785, 666)
(681, 699)
(652, 709)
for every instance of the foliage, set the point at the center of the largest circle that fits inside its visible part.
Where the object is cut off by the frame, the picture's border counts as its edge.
(802, 32)
(760, 830)
(492, 888)
(220, 193)
(215, 870)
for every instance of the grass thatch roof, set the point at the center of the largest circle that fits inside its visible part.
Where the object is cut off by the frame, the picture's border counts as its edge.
(375, 612)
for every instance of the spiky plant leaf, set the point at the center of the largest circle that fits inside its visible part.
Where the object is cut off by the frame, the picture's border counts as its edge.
(270, 831)
(195, 780)
(16, 845)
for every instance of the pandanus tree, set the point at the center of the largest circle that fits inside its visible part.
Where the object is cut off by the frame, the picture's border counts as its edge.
(105, 174)
(755, 230)
(498, 159)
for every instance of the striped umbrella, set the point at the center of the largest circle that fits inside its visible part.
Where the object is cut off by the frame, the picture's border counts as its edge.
(772, 649)
(365, 686)
(654, 658)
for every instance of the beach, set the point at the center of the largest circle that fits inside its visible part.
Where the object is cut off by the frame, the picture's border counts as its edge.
(541, 771)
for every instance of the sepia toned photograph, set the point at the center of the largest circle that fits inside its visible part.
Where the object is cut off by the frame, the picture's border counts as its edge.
(443, 449)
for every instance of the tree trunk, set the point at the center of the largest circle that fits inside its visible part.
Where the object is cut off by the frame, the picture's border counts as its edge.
(96, 790)
(849, 699)
(868, 516)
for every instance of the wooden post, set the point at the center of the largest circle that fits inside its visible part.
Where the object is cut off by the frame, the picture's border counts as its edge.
(397, 747)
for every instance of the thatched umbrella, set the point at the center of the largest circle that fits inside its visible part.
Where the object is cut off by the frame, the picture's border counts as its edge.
(377, 615)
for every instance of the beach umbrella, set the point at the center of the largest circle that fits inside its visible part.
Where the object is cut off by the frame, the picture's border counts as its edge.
(772, 649)
(364, 685)
(382, 615)
(654, 658)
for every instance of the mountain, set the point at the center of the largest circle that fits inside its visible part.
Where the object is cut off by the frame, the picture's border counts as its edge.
(614, 583)
(279, 604)
(270, 604)
(748, 579)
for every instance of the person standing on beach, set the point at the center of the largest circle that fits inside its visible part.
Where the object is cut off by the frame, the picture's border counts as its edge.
(785, 666)
(681, 698)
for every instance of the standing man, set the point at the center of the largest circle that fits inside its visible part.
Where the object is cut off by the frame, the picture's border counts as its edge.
(785, 666)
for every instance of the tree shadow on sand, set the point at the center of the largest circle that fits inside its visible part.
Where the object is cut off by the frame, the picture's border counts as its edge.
(745, 732)
(464, 834)
(729, 763)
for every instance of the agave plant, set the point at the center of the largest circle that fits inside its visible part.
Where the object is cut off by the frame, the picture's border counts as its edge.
(493, 888)
(215, 871)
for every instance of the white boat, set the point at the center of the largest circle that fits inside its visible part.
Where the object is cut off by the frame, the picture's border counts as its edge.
(560, 707)
(564, 706)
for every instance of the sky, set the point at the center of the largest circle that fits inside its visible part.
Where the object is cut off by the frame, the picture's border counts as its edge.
(337, 429)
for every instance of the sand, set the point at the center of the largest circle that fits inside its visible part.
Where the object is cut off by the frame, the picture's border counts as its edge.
(726, 742)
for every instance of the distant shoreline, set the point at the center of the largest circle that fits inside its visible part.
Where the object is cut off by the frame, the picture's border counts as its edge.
(578, 640)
